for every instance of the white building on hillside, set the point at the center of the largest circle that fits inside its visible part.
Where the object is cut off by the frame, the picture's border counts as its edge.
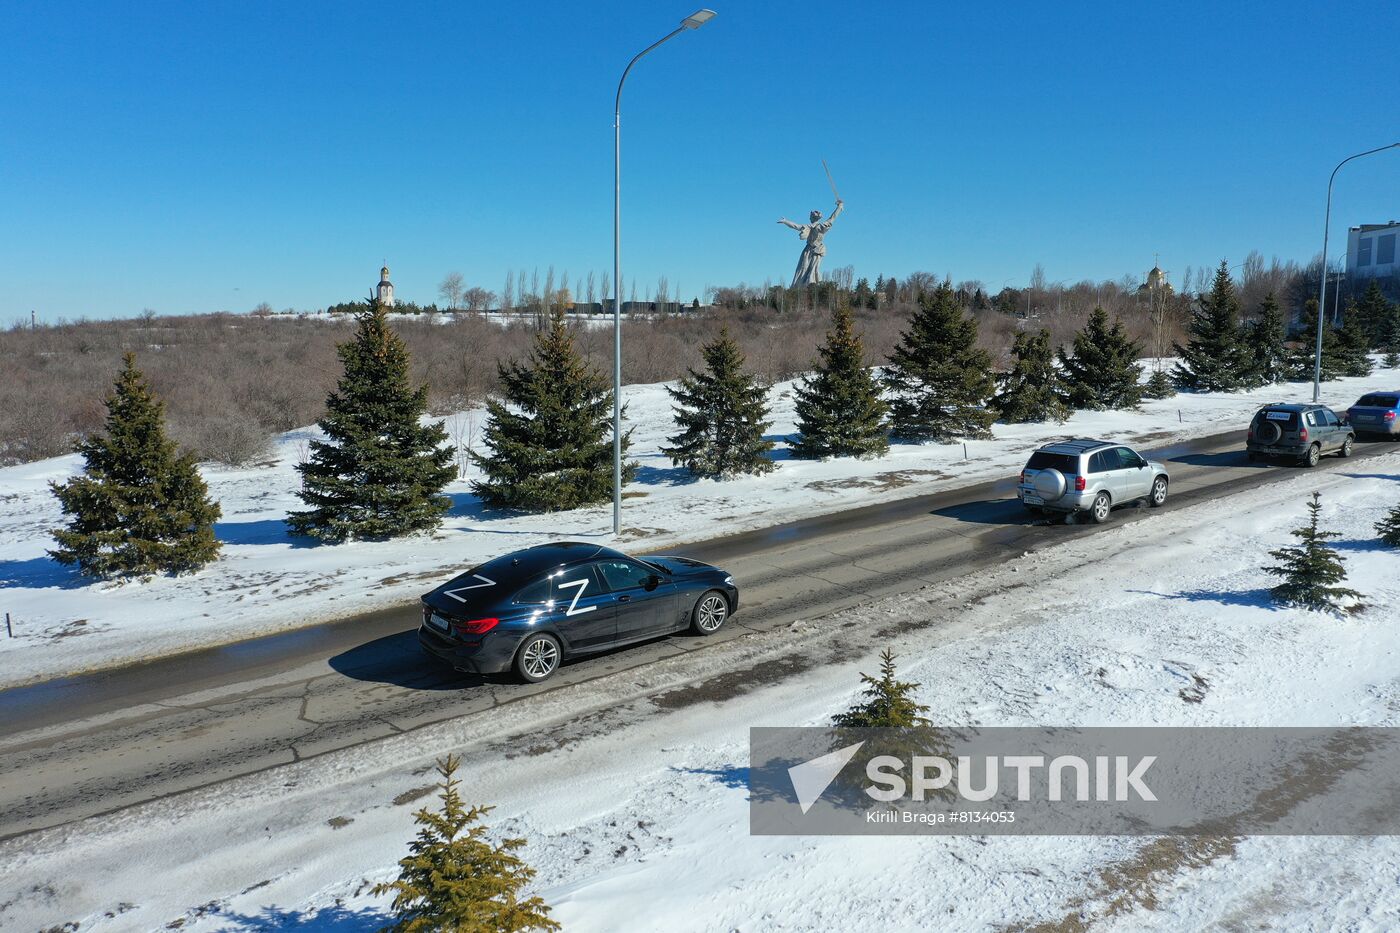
(1371, 251)
(385, 291)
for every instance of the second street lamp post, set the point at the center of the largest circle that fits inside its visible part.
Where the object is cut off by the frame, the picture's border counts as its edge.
(1322, 290)
(693, 21)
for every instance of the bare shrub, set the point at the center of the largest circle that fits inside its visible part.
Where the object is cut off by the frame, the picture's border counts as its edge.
(231, 438)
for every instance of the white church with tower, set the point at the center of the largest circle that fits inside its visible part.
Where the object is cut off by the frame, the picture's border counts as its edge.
(385, 290)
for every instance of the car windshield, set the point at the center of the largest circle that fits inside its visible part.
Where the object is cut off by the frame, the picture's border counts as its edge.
(1379, 401)
(1044, 460)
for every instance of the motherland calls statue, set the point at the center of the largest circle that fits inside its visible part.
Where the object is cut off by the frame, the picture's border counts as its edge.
(809, 266)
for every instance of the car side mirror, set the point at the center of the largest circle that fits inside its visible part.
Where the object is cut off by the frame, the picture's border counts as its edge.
(653, 582)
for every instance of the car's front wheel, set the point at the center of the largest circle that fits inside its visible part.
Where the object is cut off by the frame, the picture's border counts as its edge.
(1100, 509)
(709, 613)
(1313, 455)
(1347, 446)
(538, 658)
(1158, 498)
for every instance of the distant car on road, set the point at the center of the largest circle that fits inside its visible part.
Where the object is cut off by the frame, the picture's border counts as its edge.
(1091, 477)
(1376, 413)
(1300, 432)
(532, 609)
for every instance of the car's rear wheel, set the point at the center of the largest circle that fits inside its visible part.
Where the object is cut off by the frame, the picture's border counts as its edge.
(538, 658)
(1100, 509)
(1313, 455)
(1347, 445)
(709, 613)
(1158, 498)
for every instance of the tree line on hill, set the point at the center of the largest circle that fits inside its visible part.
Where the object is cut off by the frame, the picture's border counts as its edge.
(140, 507)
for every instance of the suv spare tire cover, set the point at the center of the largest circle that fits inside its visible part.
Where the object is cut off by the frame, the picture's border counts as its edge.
(1050, 484)
(1269, 431)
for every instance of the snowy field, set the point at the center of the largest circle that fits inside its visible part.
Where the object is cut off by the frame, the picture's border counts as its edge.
(267, 582)
(633, 798)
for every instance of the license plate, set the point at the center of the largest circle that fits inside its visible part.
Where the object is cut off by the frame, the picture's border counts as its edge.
(1028, 499)
(437, 621)
(1364, 418)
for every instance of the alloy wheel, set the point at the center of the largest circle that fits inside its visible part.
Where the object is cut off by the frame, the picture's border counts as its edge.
(540, 658)
(713, 609)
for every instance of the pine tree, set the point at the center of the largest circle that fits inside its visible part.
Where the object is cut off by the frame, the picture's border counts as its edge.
(1032, 390)
(1103, 372)
(139, 507)
(939, 379)
(1353, 346)
(1389, 527)
(1311, 570)
(1300, 361)
(1263, 346)
(1371, 314)
(839, 408)
(1158, 385)
(454, 879)
(379, 472)
(722, 414)
(1390, 337)
(1213, 360)
(889, 702)
(550, 435)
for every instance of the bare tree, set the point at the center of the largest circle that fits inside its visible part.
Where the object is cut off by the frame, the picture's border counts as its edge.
(592, 291)
(262, 310)
(663, 292)
(606, 290)
(508, 293)
(1037, 282)
(477, 298)
(450, 288)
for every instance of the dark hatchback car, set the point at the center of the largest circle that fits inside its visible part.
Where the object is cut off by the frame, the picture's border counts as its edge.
(532, 609)
(1376, 413)
(1301, 432)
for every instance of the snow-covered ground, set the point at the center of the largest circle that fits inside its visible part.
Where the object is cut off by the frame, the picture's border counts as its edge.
(266, 581)
(633, 800)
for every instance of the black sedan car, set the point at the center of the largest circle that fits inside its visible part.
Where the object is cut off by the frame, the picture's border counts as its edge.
(531, 609)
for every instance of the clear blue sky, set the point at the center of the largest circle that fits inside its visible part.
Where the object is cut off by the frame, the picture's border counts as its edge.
(198, 156)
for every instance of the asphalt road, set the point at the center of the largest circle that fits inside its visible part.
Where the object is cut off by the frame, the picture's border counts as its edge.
(87, 745)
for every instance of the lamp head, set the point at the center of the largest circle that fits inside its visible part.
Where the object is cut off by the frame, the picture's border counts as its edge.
(697, 19)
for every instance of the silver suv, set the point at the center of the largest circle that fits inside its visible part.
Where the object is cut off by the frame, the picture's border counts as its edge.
(1088, 476)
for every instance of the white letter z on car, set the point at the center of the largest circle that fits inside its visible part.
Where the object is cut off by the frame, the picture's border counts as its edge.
(582, 585)
(474, 586)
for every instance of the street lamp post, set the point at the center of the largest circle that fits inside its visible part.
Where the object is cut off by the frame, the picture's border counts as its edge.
(693, 21)
(1322, 290)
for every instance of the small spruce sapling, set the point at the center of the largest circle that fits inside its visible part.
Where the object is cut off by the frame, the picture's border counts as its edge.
(1312, 569)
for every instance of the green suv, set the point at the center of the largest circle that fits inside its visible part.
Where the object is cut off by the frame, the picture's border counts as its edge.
(1299, 432)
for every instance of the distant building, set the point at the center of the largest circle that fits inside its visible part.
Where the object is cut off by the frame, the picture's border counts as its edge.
(1371, 251)
(385, 290)
(1156, 282)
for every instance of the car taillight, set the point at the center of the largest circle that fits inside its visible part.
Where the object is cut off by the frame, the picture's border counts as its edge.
(1303, 435)
(1080, 484)
(475, 626)
(1390, 416)
(1023, 476)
